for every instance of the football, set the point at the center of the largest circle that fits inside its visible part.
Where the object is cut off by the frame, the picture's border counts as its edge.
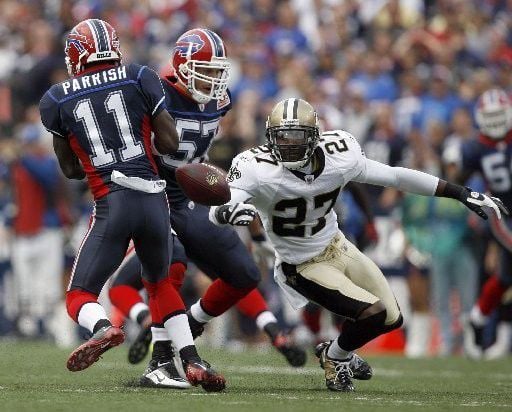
(204, 183)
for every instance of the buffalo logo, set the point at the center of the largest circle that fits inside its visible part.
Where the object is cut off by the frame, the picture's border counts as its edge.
(189, 45)
(212, 178)
(233, 174)
(77, 43)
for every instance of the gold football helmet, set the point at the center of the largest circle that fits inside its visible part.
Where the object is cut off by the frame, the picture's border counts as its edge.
(292, 132)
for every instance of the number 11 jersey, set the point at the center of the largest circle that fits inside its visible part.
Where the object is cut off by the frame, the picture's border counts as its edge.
(106, 116)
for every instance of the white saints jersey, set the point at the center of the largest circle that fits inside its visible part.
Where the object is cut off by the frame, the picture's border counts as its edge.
(297, 208)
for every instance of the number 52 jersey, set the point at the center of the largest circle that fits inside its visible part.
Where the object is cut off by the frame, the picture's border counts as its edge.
(296, 208)
(106, 116)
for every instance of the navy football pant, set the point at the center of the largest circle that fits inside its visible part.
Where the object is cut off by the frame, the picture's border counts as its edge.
(217, 251)
(118, 217)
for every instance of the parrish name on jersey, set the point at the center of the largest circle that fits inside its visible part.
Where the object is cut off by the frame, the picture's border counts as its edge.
(97, 79)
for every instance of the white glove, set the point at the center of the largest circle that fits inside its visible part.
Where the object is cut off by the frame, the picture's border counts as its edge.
(239, 214)
(475, 201)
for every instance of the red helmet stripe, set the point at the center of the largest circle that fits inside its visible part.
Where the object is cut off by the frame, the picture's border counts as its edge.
(212, 43)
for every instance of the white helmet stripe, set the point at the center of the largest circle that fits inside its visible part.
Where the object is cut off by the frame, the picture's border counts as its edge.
(94, 35)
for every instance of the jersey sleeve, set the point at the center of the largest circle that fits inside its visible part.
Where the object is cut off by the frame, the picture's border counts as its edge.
(350, 154)
(152, 90)
(242, 174)
(50, 116)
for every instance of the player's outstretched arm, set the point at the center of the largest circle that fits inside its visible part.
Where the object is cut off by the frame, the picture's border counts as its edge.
(68, 160)
(166, 135)
(473, 200)
(414, 181)
(236, 212)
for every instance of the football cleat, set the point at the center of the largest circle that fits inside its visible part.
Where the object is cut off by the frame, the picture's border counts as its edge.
(163, 374)
(89, 352)
(473, 340)
(201, 373)
(140, 346)
(360, 368)
(196, 327)
(338, 374)
(295, 356)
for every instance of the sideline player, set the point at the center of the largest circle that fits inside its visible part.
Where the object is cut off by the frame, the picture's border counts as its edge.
(491, 155)
(101, 120)
(293, 182)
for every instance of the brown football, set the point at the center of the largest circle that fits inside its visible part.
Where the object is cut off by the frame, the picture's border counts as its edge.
(204, 183)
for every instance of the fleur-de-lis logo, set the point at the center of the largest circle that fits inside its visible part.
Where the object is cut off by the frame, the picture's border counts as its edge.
(233, 174)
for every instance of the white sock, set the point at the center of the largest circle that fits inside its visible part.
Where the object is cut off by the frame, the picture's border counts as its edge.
(335, 352)
(178, 330)
(90, 314)
(477, 317)
(136, 309)
(199, 314)
(264, 318)
(158, 334)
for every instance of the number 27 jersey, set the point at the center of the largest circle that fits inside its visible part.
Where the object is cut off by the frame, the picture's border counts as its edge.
(297, 208)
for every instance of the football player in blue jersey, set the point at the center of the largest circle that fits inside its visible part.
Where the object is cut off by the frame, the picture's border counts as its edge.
(197, 98)
(491, 156)
(101, 120)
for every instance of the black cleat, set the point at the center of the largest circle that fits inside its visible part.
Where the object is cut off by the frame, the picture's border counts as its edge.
(140, 346)
(163, 374)
(338, 375)
(361, 369)
(196, 327)
(201, 373)
(294, 355)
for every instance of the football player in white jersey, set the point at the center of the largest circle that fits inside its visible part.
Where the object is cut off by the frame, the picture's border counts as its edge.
(293, 182)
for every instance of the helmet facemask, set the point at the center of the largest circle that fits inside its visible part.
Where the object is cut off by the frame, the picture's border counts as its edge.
(292, 146)
(493, 114)
(292, 132)
(193, 72)
(496, 123)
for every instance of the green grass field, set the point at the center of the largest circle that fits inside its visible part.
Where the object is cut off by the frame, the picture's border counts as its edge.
(33, 377)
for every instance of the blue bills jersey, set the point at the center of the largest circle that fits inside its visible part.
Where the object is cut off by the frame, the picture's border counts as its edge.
(197, 125)
(106, 116)
(493, 159)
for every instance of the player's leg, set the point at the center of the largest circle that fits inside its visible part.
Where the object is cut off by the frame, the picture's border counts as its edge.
(101, 252)
(494, 288)
(348, 284)
(222, 256)
(254, 306)
(167, 308)
(212, 248)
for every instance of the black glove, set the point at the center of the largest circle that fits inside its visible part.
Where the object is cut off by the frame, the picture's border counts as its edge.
(475, 201)
(239, 214)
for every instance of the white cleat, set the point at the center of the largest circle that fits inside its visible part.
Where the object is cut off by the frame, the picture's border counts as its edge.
(163, 374)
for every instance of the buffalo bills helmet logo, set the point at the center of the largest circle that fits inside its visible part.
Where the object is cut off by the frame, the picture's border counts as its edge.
(77, 43)
(189, 45)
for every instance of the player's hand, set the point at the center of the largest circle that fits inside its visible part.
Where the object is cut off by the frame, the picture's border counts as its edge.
(476, 201)
(239, 214)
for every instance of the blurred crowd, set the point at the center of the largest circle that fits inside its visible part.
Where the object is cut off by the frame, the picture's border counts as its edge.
(402, 76)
